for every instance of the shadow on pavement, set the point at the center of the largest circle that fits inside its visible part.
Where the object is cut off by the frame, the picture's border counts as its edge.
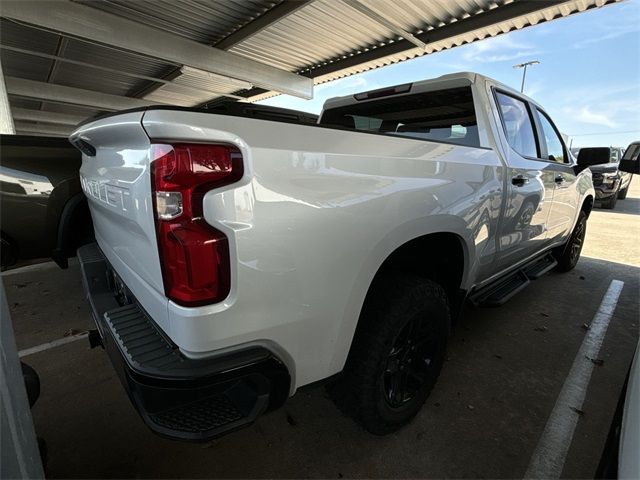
(628, 205)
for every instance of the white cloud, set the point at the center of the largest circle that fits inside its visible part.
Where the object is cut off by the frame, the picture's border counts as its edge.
(533, 88)
(626, 23)
(498, 49)
(614, 33)
(586, 115)
(348, 84)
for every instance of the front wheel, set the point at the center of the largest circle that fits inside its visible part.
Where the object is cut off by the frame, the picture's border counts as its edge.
(396, 355)
(568, 255)
(623, 193)
(610, 203)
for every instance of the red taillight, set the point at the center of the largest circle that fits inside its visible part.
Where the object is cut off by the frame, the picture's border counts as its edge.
(194, 255)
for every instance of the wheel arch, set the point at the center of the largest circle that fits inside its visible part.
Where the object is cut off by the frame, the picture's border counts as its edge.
(393, 254)
(73, 224)
(435, 256)
(587, 205)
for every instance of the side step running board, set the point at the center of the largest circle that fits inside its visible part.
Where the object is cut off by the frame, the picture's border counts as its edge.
(540, 266)
(503, 289)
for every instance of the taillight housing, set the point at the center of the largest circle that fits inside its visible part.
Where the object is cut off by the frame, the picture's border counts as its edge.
(194, 256)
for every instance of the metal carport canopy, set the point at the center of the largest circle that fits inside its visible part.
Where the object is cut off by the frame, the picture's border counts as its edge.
(68, 60)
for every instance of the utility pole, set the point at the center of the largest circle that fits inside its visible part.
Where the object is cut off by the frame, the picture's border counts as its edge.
(524, 73)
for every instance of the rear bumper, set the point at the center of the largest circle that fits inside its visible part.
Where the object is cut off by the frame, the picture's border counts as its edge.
(178, 397)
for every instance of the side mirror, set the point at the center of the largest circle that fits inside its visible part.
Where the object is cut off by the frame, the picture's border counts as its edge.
(593, 156)
(630, 161)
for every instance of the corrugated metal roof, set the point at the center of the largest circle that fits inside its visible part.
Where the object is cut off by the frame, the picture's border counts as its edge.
(109, 82)
(204, 21)
(328, 30)
(415, 16)
(189, 90)
(16, 64)
(323, 39)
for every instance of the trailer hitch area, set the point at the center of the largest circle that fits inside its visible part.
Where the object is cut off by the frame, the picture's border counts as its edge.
(95, 340)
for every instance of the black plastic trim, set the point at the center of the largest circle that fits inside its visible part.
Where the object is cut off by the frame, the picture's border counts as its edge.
(178, 397)
(59, 254)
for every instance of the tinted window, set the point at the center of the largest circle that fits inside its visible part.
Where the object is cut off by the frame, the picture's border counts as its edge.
(517, 125)
(614, 155)
(443, 115)
(555, 149)
(632, 153)
(367, 123)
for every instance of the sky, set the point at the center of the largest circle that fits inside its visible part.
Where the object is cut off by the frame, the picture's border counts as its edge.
(588, 78)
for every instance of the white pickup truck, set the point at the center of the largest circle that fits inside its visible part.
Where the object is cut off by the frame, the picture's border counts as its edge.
(243, 255)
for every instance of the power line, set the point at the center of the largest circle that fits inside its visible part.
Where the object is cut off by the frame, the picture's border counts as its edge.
(601, 133)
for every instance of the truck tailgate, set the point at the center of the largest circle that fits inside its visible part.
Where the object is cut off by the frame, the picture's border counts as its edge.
(117, 183)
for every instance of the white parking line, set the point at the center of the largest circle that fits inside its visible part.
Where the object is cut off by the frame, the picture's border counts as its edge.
(49, 345)
(549, 456)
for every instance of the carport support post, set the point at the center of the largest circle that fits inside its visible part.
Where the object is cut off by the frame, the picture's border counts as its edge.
(6, 120)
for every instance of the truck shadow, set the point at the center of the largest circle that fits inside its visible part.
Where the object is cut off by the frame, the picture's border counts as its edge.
(628, 205)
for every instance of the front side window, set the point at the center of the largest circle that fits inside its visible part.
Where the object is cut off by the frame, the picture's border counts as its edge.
(555, 148)
(517, 125)
(443, 115)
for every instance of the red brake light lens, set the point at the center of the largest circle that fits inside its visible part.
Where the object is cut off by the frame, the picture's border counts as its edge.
(194, 256)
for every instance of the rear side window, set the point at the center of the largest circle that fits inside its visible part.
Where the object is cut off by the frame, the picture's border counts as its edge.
(555, 148)
(443, 115)
(517, 125)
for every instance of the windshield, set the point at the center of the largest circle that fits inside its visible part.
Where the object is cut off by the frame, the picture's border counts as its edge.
(443, 115)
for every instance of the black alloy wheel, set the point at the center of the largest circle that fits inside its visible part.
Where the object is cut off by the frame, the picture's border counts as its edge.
(411, 362)
(577, 242)
(568, 255)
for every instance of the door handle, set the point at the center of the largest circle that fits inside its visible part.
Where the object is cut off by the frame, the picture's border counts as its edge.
(559, 179)
(519, 180)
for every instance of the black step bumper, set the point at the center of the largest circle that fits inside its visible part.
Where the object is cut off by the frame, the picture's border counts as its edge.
(176, 396)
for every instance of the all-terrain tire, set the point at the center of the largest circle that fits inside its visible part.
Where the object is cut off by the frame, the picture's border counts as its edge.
(622, 194)
(610, 203)
(568, 255)
(397, 303)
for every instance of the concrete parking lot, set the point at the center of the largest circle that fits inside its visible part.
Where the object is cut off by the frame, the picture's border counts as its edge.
(505, 369)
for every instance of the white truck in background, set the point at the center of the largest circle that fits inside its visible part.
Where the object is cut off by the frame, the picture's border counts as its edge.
(241, 256)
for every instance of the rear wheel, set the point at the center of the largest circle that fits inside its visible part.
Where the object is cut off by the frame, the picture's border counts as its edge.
(396, 355)
(569, 254)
